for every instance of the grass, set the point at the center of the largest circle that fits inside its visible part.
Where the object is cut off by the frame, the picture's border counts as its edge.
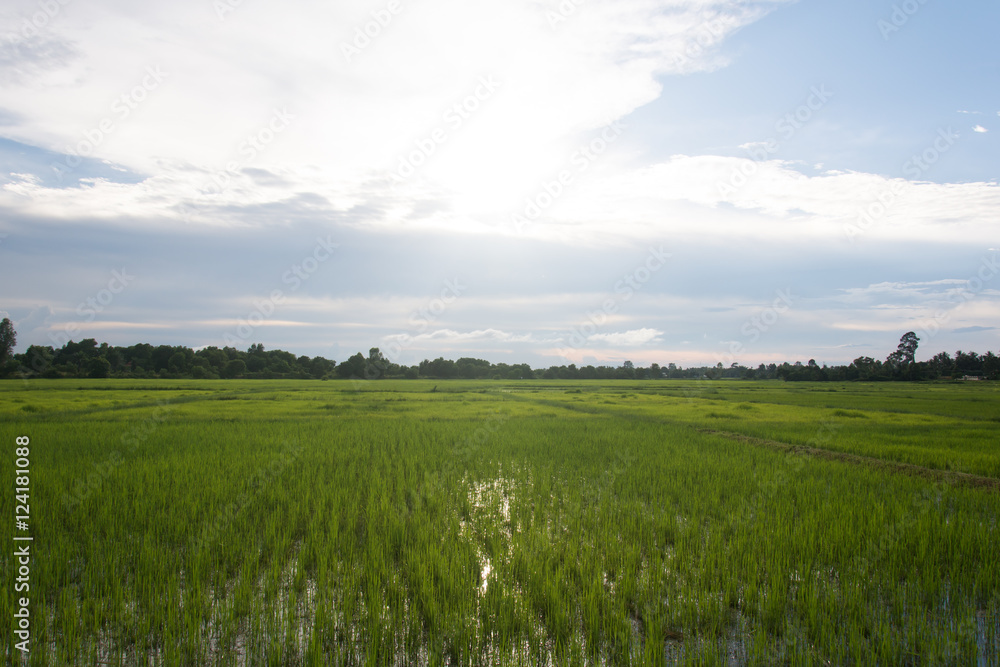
(411, 522)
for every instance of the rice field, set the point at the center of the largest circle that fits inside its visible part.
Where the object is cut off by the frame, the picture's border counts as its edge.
(507, 523)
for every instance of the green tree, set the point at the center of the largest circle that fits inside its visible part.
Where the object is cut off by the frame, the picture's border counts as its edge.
(8, 339)
(353, 367)
(177, 363)
(99, 367)
(280, 366)
(203, 373)
(320, 366)
(216, 358)
(439, 368)
(942, 364)
(161, 357)
(991, 365)
(517, 372)
(865, 367)
(38, 359)
(968, 363)
(906, 350)
(234, 368)
(901, 360)
(256, 363)
(376, 365)
(470, 368)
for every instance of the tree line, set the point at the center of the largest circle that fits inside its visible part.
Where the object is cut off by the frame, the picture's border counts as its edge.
(88, 359)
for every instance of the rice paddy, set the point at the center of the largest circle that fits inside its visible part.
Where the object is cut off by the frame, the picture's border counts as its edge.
(508, 523)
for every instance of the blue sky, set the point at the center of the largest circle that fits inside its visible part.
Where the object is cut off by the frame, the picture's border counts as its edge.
(660, 181)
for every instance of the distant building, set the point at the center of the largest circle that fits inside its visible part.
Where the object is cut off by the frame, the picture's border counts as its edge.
(971, 377)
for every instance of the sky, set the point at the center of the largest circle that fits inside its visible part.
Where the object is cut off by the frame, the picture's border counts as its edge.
(541, 181)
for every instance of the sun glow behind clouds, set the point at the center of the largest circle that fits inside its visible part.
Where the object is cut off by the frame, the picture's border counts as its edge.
(416, 86)
(446, 122)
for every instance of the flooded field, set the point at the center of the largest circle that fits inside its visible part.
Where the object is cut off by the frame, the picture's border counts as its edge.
(521, 523)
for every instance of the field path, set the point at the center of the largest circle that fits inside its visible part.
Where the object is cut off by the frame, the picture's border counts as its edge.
(962, 478)
(952, 476)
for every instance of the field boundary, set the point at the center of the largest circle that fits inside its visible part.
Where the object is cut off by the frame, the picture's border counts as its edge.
(963, 478)
(912, 469)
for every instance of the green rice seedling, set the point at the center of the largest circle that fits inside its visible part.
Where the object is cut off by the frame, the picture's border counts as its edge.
(298, 523)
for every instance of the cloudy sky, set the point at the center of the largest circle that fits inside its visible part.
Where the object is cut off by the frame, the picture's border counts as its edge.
(687, 181)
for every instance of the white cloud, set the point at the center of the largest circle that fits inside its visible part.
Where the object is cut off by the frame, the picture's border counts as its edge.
(689, 194)
(922, 288)
(980, 129)
(462, 336)
(684, 196)
(627, 338)
(220, 82)
(354, 121)
(556, 87)
(920, 297)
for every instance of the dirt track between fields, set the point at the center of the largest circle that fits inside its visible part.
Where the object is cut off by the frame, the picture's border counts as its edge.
(965, 479)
